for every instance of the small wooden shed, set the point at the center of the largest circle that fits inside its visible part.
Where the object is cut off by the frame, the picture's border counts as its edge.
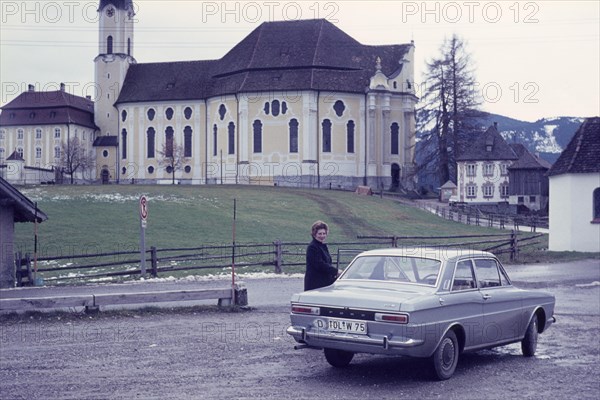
(14, 207)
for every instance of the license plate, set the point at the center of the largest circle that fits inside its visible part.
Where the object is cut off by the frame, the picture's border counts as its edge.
(347, 326)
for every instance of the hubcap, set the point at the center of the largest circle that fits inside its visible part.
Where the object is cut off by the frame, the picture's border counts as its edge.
(448, 354)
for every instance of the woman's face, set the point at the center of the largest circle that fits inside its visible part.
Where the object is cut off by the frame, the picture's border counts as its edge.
(321, 235)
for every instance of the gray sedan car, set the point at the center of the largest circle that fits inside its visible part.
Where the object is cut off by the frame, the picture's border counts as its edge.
(420, 302)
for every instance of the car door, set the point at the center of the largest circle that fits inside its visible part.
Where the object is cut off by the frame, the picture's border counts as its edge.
(464, 303)
(501, 302)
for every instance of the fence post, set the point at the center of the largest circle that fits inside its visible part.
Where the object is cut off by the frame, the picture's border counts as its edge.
(278, 256)
(513, 245)
(18, 275)
(154, 262)
(394, 241)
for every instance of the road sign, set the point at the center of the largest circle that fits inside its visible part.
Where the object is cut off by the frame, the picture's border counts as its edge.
(143, 208)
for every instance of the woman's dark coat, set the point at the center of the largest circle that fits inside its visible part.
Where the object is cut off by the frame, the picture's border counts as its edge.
(319, 270)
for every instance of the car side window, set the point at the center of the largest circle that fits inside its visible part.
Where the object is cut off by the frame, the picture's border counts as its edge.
(487, 272)
(463, 276)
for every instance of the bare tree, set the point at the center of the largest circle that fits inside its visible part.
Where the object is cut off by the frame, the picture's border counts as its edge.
(450, 102)
(172, 157)
(74, 157)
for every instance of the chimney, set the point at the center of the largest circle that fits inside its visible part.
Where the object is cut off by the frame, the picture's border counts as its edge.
(62, 87)
(89, 96)
(31, 87)
(495, 125)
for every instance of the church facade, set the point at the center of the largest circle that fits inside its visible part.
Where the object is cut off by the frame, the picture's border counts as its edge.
(295, 103)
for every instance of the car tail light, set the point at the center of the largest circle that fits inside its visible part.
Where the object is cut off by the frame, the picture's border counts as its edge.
(300, 309)
(393, 318)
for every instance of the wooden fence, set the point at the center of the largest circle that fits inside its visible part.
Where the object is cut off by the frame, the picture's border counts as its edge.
(474, 216)
(219, 259)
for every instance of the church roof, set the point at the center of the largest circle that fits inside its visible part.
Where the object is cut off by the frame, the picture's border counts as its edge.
(106, 141)
(581, 154)
(487, 146)
(526, 159)
(48, 108)
(283, 55)
(120, 4)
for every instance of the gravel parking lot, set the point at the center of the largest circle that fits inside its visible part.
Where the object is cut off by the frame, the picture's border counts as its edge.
(202, 352)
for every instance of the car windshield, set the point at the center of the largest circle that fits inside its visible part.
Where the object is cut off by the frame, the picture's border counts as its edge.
(394, 268)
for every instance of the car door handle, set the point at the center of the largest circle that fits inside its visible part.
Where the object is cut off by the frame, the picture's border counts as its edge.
(486, 296)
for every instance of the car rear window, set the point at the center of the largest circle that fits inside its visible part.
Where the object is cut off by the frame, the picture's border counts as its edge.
(394, 268)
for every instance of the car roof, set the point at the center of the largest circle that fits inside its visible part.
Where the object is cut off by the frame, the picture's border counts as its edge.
(437, 253)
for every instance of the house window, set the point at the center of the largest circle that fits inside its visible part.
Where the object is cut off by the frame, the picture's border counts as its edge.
(215, 134)
(57, 152)
(596, 199)
(169, 141)
(395, 138)
(471, 169)
(293, 136)
(20, 134)
(169, 113)
(350, 136)
(38, 133)
(504, 190)
(150, 135)
(187, 113)
(471, 190)
(124, 144)
(20, 152)
(504, 169)
(257, 138)
(532, 199)
(488, 169)
(488, 190)
(187, 141)
(2, 154)
(339, 108)
(151, 113)
(2, 134)
(231, 138)
(326, 136)
(38, 152)
(521, 199)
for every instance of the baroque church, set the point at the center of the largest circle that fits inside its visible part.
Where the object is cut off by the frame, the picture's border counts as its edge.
(295, 103)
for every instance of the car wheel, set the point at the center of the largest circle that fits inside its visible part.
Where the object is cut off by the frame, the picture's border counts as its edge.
(529, 342)
(338, 358)
(445, 356)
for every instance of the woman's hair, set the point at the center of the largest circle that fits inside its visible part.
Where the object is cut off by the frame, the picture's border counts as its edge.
(319, 225)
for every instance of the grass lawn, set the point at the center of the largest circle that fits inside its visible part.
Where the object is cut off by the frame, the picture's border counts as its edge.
(102, 219)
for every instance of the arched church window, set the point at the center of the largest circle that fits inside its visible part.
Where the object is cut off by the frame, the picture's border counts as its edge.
(394, 130)
(187, 141)
(339, 108)
(187, 113)
(124, 144)
(169, 113)
(109, 45)
(283, 107)
(129, 46)
(150, 138)
(257, 137)
(123, 115)
(350, 136)
(275, 108)
(215, 134)
(596, 205)
(326, 136)
(222, 111)
(151, 113)
(267, 108)
(231, 138)
(169, 141)
(294, 135)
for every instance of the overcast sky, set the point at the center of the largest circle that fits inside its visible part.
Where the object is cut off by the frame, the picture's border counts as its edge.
(533, 59)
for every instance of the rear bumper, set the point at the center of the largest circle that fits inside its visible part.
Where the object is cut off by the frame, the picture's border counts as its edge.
(354, 343)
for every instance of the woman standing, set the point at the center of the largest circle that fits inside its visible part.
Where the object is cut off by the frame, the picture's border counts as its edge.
(319, 270)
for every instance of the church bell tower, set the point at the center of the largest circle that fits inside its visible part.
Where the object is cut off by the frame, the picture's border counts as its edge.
(115, 55)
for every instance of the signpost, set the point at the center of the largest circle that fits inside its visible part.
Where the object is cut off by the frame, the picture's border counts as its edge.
(143, 224)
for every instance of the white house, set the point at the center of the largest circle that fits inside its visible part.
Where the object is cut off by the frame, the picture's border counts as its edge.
(482, 169)
(575, 192)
